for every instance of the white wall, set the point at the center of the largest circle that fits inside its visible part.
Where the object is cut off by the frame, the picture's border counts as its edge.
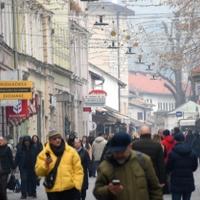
(172, 121)
(32, 37)
(111, 87)
(167, 101)
(134, 110)
(6, 22)
(79, 66)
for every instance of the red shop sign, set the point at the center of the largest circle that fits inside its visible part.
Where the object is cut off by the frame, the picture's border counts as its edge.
(19, 111)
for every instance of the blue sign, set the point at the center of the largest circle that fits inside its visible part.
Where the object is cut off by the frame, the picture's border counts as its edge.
(179, 114)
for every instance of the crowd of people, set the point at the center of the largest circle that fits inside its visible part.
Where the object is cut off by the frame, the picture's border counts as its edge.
(142, 166)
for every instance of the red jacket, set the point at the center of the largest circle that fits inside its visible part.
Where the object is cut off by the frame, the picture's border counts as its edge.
(169, 144)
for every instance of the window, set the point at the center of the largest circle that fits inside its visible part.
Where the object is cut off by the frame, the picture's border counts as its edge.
(140, 115)
(166, 106)
(170, 107)
(159, 106)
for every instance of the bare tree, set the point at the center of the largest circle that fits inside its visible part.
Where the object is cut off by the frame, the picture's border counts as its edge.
(181, 47)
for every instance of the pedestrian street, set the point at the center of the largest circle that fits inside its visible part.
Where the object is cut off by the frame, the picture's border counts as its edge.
(42, 196)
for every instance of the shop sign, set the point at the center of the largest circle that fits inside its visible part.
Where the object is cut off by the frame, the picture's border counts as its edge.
(20, 110)
(87, 109)
(11, 90)
(179, 114)
(96, 101)
(96, 98)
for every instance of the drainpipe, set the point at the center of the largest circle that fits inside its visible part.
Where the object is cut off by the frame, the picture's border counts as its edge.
(14, 35)
(16, 131)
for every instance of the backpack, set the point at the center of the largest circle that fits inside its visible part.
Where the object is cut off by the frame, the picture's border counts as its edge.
(140, 160)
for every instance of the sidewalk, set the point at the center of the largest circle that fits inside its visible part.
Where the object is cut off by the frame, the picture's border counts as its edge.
(42, 196)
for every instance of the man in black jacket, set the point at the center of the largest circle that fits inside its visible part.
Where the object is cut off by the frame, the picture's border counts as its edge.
(6, 164)
(146, 145)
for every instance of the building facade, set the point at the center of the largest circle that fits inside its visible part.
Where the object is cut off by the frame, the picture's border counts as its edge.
(152, 95)
(37, 44)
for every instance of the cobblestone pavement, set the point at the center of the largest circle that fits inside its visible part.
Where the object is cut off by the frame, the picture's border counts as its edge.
(42, 196)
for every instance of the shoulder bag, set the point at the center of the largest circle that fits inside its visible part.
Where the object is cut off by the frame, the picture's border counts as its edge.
(49, 180)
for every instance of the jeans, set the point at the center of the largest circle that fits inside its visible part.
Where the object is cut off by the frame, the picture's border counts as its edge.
(28, 182)
(90, 168)
(95, 166)
(3, 184)
(181, 196)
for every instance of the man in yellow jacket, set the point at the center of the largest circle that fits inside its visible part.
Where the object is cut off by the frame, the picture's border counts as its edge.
(69, 177)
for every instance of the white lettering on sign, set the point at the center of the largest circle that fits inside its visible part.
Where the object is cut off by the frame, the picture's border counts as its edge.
(95, 100)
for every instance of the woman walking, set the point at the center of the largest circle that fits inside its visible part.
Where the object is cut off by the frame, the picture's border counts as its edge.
(182, 162)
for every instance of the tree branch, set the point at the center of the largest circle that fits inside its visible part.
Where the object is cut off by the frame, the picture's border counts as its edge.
(170, 39)
(168, 80)
(171, 90)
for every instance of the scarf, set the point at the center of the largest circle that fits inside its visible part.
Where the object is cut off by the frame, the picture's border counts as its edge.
(58, 151)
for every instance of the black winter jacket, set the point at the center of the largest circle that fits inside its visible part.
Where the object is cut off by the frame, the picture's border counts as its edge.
(85, 160)
(26, 158)
(154, 150)
(182, 163)
(6, 160)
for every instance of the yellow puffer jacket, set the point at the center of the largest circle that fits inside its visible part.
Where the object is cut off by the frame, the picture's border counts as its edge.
(69, 172)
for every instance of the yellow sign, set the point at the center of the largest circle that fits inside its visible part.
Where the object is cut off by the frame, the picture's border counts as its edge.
(16, 84)
(15, 90)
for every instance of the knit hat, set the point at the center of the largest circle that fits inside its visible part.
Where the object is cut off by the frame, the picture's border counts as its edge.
(179, 137)
(119, 142)
(52, 133)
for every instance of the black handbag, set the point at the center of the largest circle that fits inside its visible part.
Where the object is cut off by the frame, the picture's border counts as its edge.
(11, 182)
(49, 180)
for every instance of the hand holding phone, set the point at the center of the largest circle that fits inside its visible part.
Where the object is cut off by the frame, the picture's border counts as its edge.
(48, 159)
(116, 182)
(115, 186)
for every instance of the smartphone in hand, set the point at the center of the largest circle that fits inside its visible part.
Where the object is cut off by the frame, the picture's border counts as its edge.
(116, 182)
(47, 155)
(48, 158)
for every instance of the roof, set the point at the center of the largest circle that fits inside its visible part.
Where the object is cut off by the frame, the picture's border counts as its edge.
(108, 8)
(92, 66)
(189, 107)
(142, 82)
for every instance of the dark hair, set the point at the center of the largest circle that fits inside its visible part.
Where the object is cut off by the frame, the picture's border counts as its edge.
(179, 137)
(38, 139)
(71, 139)
(26, 138)
(100, 134)
(176, 130)
(166, 132)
